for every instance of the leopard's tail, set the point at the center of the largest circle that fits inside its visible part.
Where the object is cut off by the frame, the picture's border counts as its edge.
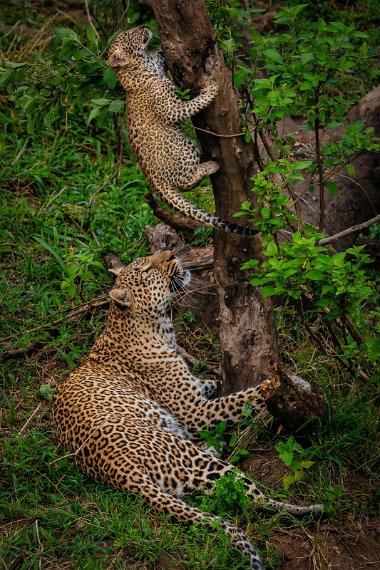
(172, 198)
(187, 514)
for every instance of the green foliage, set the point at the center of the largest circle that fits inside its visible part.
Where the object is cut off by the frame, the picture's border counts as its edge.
(214, 438)
(336, 285)
(228, 496)
(46, 392)
(222, 439)
(271, 210)
(72, 73)
(305, 68)
(291, 453)
(332, 287)
(309, 70)
(354, 142)
(337, 282)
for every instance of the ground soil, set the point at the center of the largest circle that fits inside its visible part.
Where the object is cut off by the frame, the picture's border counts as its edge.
(353, 544)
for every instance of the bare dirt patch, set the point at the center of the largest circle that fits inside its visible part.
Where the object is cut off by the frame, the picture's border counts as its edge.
(351, 544)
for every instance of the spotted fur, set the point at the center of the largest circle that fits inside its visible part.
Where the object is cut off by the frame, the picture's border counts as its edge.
(132, 411)
(169, 160)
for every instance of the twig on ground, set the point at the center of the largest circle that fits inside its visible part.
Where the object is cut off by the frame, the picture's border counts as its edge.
(40, 547)
(29, 419)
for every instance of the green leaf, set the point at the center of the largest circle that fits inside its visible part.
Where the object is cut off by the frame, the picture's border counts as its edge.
(116, 106)
(339, 259)
(306, 464)
(240, 75)
(94, 113)
(267, 291)
(251, 264)
(332, 187)
(305, 86)
(302, 164)
(298, 475)
(287, 457)
(46, 391)
(100, 102)
(265, 213)
(351, 170)
(273, 55)
(306, 57)
(271, 249)
(221, 427)
(287, 481)
(315, 275)
(67, 34)
(110, 77)
(91, 36)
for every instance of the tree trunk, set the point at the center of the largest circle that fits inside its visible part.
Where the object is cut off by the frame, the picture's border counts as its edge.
(247, 332)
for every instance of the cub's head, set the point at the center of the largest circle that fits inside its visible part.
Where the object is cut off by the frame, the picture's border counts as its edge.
(127, 45)
(147, 284)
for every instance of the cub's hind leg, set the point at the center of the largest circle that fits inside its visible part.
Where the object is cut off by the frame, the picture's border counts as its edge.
(204, 169)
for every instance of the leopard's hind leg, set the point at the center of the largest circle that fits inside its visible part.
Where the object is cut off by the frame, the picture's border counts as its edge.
(160, 466)
(204, 169)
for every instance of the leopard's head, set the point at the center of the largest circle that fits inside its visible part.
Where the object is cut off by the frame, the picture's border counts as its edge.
(147, 284)
(127, 46)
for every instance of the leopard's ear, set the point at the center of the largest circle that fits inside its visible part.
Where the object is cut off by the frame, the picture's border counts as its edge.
(117, 58)
(121, 297)
(116, 268)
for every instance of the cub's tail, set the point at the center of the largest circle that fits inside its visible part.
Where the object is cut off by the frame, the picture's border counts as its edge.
(172, 198)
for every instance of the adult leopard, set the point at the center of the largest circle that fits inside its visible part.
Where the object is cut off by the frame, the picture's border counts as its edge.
(170, 161)
(132, 411)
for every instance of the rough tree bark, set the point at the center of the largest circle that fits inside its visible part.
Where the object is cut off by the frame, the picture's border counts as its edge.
(247, 331)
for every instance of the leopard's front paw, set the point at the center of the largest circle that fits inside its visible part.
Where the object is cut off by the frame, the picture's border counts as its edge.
(211, 88)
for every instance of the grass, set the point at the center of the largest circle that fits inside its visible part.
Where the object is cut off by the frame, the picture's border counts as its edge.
(62, 207)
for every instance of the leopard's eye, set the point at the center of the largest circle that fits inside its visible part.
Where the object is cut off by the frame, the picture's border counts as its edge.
(146, 35)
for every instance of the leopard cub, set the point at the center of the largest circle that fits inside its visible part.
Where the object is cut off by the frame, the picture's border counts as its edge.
(170, 161)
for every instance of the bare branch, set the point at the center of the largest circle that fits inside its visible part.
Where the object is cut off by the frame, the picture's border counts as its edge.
(348, 231)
